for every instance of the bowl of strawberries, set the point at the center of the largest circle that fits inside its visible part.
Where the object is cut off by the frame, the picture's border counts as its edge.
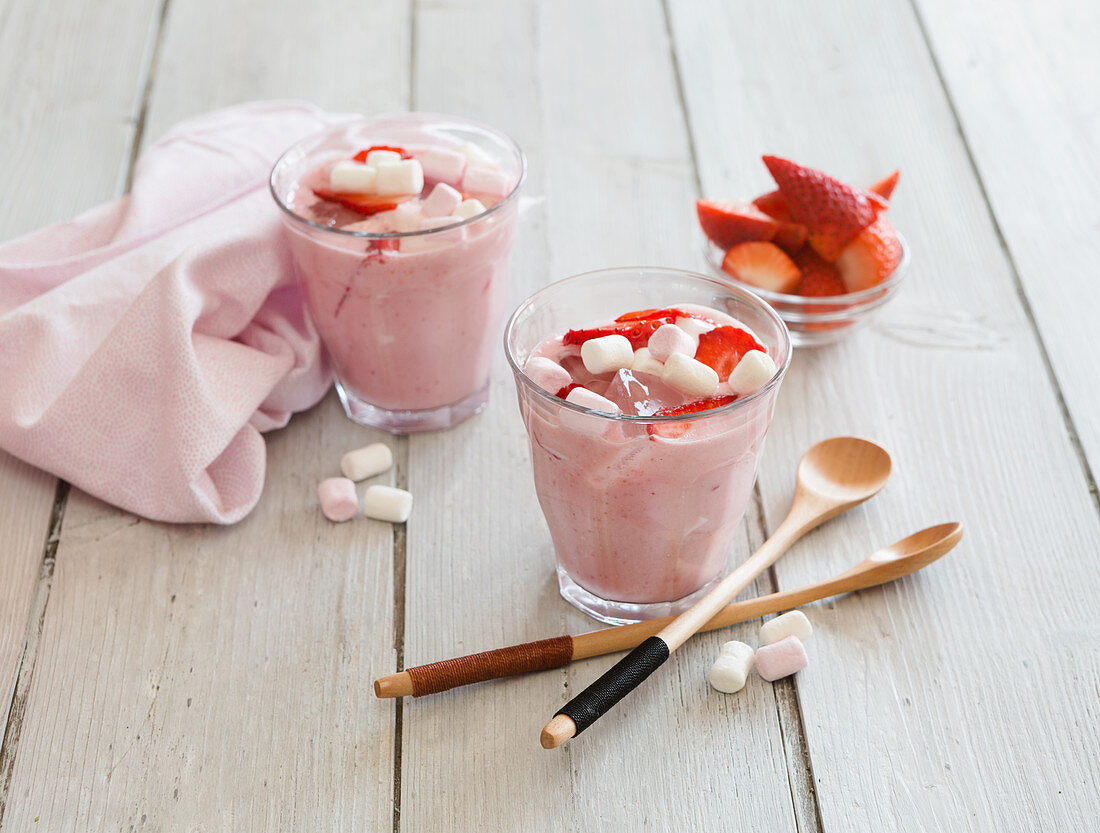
(820, 251)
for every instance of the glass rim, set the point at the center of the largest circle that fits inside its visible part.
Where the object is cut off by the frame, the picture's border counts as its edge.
(739, 402)
(390, 235)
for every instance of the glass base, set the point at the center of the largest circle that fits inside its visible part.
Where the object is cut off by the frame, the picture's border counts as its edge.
(413, 422)
(624, 613)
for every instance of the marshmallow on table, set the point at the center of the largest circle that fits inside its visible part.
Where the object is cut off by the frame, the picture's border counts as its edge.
(395, 178)
(338, 499)
(479, 180)
(442, 165)
(607, 354)
(792, 623)
(385, 503)
(645, 363)
(366, 461)
(351, 178)
(476, 156)
(753, 371)
(781, 659)
(469, 208)
(442, 201)
(547, 373)
(668, 339)
(689, 376)
(377, 157)
(731, 669)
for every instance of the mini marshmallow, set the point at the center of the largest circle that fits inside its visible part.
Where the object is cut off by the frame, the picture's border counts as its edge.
(694, 327)
(366, 461)
(547, 373)
(607, 354)
(645, 363)
(587, 423)
(689, 376)
(406, 217)
(753, 371)
(781, 659)
(442, 165)
(469, 208)
(731, 669)
(351, 177)
(402, 177)
(792, 623)
(338, 500)
(378, 157)
(669, 339)
(478, 180)
(442, 201)
(426, 242)
(476, 156)
(385, 503)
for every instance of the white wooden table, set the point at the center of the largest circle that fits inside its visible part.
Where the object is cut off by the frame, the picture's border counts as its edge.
(218, 679)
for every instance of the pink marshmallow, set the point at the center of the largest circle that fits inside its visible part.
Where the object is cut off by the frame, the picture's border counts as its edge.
(781, 659)
(338, 499)
(442, 201)
(669, 339)
(547, 374)
(441, 165)
(485, 182)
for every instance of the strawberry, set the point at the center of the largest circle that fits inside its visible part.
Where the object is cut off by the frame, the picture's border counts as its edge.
(637, 332)
(564, 392)
(832, 212)
(763, 265)
(819, 278)
(672, 430)
(870, 258)
(362, 203)
(790, 237)
(774, 204)
(648, 314)
(361, 156)
(730, 223)
(723, 347)
(885, 187)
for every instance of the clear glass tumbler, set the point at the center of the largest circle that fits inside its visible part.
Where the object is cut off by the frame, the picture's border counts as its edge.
(641, 510)
(409, 319)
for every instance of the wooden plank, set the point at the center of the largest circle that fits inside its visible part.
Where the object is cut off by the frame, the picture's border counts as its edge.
(213, 678)
(963, 699)
(600, 121)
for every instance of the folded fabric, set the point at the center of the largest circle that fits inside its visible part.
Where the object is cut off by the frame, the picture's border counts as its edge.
(146, 344)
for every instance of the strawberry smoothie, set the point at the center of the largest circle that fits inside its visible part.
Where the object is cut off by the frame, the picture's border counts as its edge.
(643, 472)
(400, 228)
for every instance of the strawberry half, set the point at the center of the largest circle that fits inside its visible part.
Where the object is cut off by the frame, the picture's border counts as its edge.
(833, 212)
(564, 392)
(362, 203)
(361, 156)
(649, 314)
(885, 187)
(763, 265)
(723, 347)
(672, 430)
(636, 332)
(820, 279)
(728, 223)
(870, 258)
(774, 204)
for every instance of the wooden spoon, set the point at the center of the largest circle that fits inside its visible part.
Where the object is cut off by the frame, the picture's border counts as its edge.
(833, 476)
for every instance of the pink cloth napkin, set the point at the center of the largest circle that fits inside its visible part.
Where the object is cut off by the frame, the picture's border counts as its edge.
(146, 344)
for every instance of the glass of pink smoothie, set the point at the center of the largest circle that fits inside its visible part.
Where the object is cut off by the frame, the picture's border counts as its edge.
(408, 306)
(641, 509)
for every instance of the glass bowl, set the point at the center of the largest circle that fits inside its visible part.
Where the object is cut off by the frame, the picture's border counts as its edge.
(816, 321)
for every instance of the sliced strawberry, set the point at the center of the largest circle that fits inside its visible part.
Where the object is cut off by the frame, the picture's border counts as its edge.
(385, 244)
(832, 211)
(774, 204)
(672, 430)
(564, 392)
(871, 257)
(885, 187)
(361, 203)
(819, 278)
(723, 347)
(637, 332)
(730, 223)
(649, 314)
(790, 237)
(361, 156)
(763, 265)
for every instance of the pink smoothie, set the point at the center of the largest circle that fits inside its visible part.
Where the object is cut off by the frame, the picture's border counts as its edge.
(642, 513)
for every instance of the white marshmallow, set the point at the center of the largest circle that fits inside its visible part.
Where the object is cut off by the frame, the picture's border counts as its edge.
(753, 371)
(694, 327)
(731, 669)
(338, 499)
(689, 376)
(377, 157)
(645, 363)
(386, 503)
(483, 181)
(441, 164)
(402, 177)
(425, 242)
(607, 354)
(469, 208)
(476, 156)
(792, 623)
(406, 217)
(366, 461)
(442, 201)
(351, 178)
(585, 398)
(547, 373)
(669, 339)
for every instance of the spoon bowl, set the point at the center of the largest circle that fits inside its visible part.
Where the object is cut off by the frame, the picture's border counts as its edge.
(835, 475)
(909, 554)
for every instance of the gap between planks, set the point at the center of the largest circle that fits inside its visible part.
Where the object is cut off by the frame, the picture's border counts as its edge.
(400, 542)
